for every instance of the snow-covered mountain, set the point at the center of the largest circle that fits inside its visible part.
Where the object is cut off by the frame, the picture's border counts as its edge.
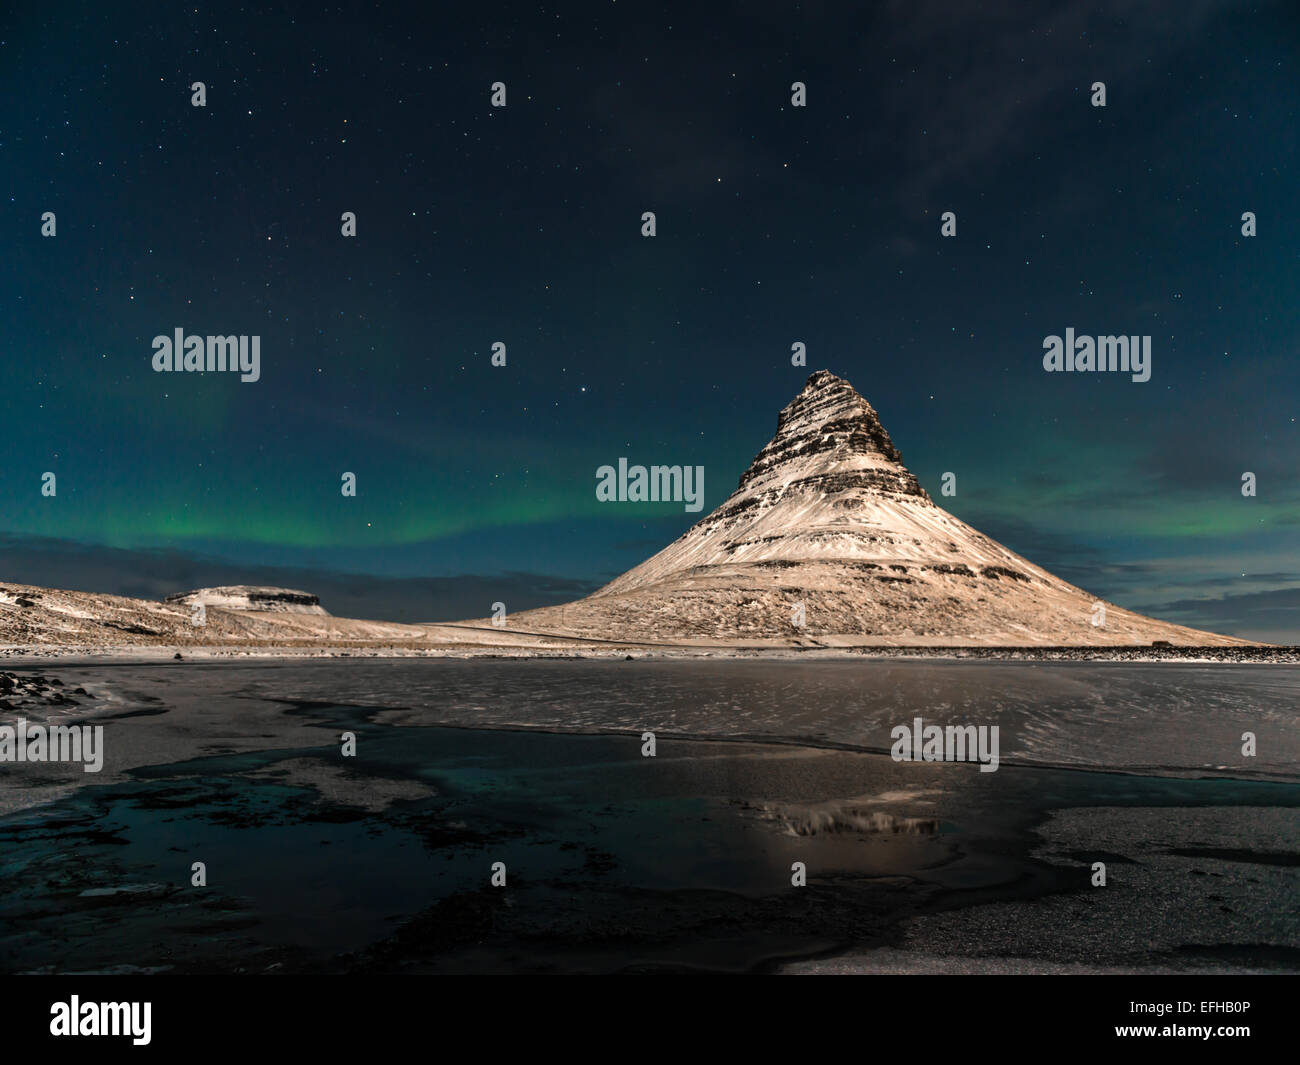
(829, 538)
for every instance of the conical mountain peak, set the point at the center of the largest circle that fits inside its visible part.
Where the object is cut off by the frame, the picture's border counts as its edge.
(829, 438)
(829, 538)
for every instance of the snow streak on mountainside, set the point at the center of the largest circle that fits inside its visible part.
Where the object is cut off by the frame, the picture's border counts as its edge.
(828, 527)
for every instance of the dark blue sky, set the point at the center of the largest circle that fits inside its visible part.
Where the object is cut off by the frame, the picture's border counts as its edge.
(522, 224)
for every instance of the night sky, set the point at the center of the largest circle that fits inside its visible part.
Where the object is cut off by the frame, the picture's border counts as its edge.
(522, 224)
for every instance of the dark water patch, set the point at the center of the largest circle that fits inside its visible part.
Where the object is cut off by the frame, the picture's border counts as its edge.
(1098, 855)
(126, 715)
(588, 852)
(1254, 955)
(1239, 854)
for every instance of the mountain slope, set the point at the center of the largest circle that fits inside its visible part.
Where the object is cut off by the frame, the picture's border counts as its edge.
(45, 617)
(829, 527)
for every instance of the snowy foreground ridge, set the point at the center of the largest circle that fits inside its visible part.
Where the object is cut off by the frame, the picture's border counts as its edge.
(828, 541)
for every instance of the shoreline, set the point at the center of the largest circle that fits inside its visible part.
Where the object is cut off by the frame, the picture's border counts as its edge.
(18, 655)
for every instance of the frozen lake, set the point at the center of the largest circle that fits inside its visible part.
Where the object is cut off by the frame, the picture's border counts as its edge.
(616, 861)
(1142, 717)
